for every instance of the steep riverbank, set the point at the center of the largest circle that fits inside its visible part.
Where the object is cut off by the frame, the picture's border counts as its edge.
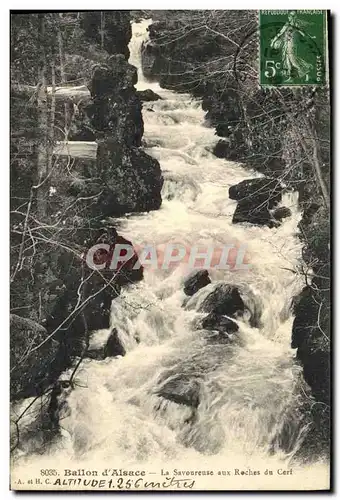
(61, 196)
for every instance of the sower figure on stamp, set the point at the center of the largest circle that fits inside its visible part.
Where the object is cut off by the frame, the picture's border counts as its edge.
(287, 40)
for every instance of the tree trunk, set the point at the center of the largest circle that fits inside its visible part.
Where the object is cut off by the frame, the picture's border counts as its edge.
(63, 78)
(43, 122)
(102, 27)
(61, 56)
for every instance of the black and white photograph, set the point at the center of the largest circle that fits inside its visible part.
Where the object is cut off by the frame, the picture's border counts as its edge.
(170, 250)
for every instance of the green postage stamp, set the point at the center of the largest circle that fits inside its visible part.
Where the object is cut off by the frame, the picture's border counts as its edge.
(293, 47)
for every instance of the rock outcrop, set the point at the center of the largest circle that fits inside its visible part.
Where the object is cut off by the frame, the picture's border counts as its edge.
(128, 180)
(281, 213)
(312, 346)
(255, 198)
(116, 111)
(229, 300)
(259, 190)
(181, 389)
(312, 323)
(195, 281)
(148, 95)
(253, 214)
(132, 180)
(224, 300)
(220, 323)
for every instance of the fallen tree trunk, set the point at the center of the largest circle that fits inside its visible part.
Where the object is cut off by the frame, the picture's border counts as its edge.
(75, 93)
(76, 149)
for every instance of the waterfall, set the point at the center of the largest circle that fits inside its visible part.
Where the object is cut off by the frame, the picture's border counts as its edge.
(251, 388)
(139, 34)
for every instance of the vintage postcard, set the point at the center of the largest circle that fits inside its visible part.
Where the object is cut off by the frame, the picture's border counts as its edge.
(170, 272)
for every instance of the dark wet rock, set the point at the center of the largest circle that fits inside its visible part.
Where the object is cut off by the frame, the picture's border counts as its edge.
(148, 95)
(229, 300)
(281, 213)
(195, 281)
(257, 215)
(126, 270)
(95, 292)
(309, 336)
(221, 323)
(97, 311)
(106, 346)
(150, 60)
(257, 192)
(114, 346)
(95, 315)
(132, 180)
(223, 150)
(255, 198)
(223, 300)
(113, 76)
(115, 111)
(181, 389)
(30, 375)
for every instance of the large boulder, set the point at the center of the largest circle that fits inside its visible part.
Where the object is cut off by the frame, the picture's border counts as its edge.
(30, 369)
(226, 149)
(255, 198)
(114, 346)
(150, 60)
(220, 323)
(132, 180)
(257, 191)
(281, 213)
(181, 389)
(113, 76)
(258, 215)
(148, 95)
(225, 299)
(98, 290)
(115, 110)
(228, 300)
(126, 270)
(195, 281)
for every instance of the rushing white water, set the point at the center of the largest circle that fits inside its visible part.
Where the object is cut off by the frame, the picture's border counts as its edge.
(250, 389)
